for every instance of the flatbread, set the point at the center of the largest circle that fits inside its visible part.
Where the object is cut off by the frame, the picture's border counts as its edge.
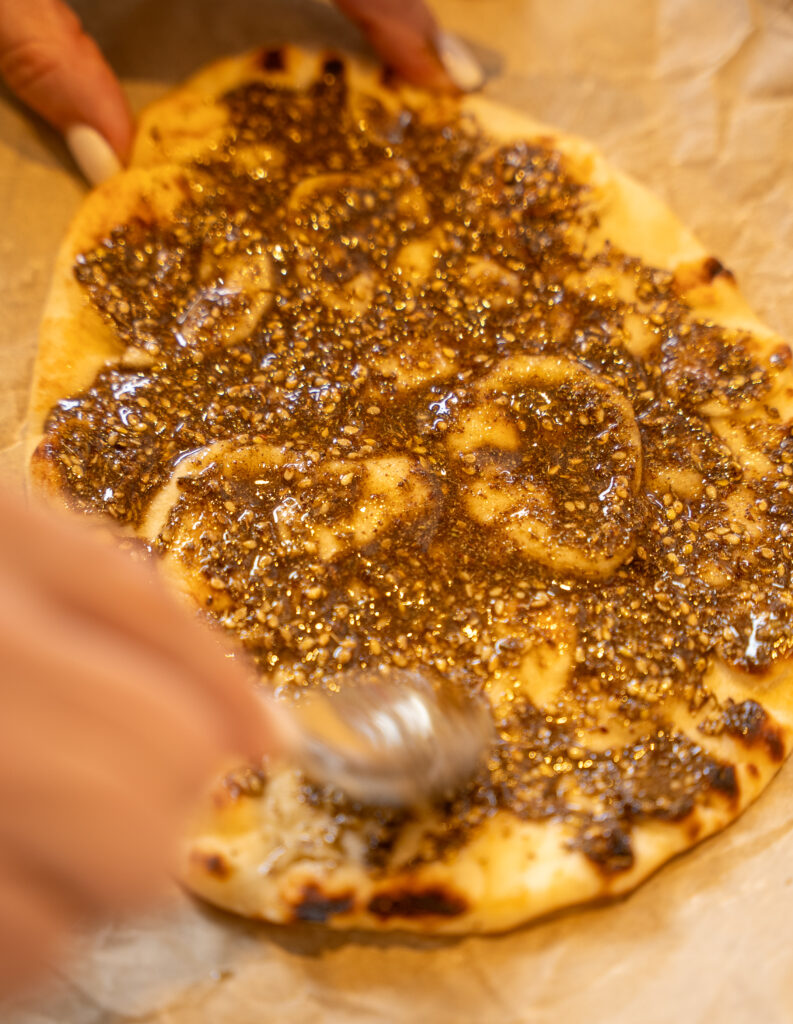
(385, 378)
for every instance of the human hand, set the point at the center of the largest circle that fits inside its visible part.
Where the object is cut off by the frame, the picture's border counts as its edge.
(117, 708)
(49, 62)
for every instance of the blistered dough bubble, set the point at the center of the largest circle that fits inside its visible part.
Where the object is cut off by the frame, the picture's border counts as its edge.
(228, 512)
(549, 454)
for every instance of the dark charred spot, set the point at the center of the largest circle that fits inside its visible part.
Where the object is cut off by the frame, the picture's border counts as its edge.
(435, 902)
(213, 863)
(317, 907)
(774, 742)
(753, 770)
(701, 272)
(749, 722)
(334, 67)
(273, 60)
(713, 268)
(607, 845)
(693, 830)
(723, 779)
(388, 77)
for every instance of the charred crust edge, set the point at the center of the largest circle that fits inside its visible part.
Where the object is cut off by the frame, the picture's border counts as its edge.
(432, 902)
(333, 65)
(316, 907)
(723, 779)
(389, 77)
(273, 58)
(701, 273)
(713, 268)
(214, 864)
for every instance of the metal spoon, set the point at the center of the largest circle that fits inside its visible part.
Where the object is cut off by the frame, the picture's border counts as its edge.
(386, 736)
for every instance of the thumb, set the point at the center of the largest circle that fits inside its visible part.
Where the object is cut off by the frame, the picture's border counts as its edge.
(51, 65)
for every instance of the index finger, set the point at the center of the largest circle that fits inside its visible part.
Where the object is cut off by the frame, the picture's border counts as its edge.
(70, 566)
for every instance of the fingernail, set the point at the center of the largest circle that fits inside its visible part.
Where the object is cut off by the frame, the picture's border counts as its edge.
(92, 153)
(460, 64)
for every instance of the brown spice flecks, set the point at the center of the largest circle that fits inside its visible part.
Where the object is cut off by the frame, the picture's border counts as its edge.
(608, 845)
(750, 722)
(421, 257)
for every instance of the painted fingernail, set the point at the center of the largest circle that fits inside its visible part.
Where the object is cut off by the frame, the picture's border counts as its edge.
(460, 64)
(92, 153)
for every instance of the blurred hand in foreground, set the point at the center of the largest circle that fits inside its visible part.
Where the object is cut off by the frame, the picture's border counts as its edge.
(117, 708)
(51, 65)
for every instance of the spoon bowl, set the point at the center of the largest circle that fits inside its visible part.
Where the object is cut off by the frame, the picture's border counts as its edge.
(389, 737)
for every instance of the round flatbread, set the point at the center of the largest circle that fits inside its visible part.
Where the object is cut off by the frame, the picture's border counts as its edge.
(385, 378)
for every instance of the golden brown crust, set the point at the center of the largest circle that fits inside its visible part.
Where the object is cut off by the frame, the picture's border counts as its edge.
(266, 855)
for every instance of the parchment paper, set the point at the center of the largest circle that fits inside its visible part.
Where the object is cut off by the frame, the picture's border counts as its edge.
(695, 97)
